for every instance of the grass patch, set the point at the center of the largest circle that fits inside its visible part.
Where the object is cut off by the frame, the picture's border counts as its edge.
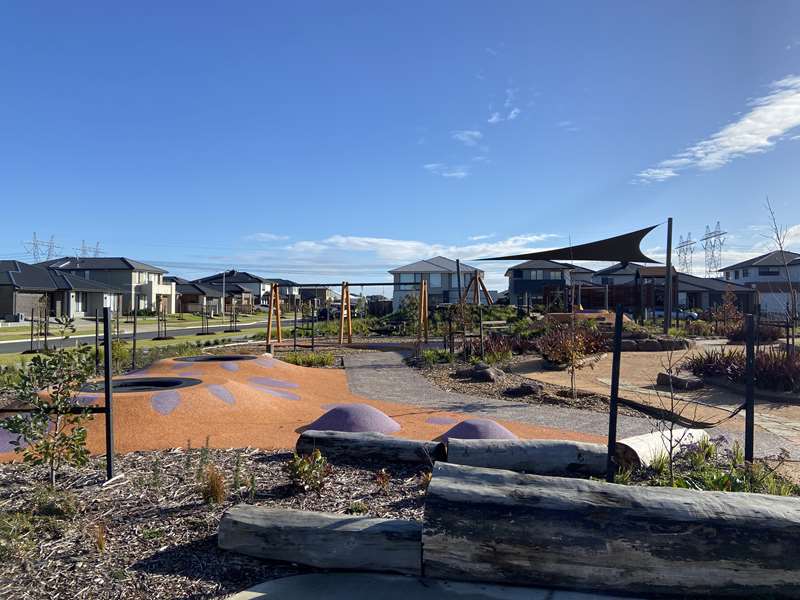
(309, 359)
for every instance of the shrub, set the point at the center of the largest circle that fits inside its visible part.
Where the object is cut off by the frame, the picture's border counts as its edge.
(698, 328)
(309, 359)
(433, 357)
(357, 508)
(47, 502)
(212, 485)
(765, 334)
(775, 369)
(54, 434)
(308, 472)
(564, 344)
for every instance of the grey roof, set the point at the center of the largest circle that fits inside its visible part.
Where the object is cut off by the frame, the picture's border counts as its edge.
(437, 264)
(770, 259)
(231, 288)
(690, 283)
(32, 278)
(620, 269)
(283, 282)
(552, 265)
(104, 263)
(198, 289)
(233, 276)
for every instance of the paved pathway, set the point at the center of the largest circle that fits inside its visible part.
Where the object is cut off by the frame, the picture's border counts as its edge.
(384, 376)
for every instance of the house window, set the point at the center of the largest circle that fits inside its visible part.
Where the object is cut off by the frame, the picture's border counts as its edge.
(736, 274)
(607, 280)
(555, 274)
(517, 274)
(768, 272)
(435, 280)
(727, 275)
(409, 278)
(745, 273)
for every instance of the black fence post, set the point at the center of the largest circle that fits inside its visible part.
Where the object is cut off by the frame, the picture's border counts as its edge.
(96, 341)
(109, 400)
(33, 320)
(135, 319)
(313, 319)
(611, 461)
(750, 364)
(295, 325)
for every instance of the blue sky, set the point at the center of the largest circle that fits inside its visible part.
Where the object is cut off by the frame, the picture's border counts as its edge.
(330, 141)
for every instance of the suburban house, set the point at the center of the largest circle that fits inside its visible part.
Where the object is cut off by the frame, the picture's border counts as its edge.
(767, 275)
(542, 281)
(143, 284)
(25, 288)
(707, 292)
(196, 297)
(616, 274)
(288, 290)
(235, 294)
(323, 295)
(440, 273)
(241, 281)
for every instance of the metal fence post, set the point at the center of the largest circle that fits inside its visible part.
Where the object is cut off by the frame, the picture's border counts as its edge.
(108, 393)
(750, 364)
(611, 461)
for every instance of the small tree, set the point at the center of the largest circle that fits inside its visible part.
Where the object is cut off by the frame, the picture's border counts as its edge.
(52, 433)
(728, 312)
(570, 344)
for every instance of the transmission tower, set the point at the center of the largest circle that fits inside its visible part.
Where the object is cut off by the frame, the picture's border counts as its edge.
(685, 250)
(32, 248)
(713, 242)
(97, 250)
(51, 248)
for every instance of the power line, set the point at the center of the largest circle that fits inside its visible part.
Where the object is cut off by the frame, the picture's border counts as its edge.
(713, 242)
(685, 251)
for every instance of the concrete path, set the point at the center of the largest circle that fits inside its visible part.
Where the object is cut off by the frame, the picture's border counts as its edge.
(368, 586)
(384, 376)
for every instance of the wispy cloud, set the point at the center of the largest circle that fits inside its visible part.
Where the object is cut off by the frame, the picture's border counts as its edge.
(455, 172)
(468, 137)
(793, 44)
(511, 94)
(513, 114)
(568, 125)
(494, 118)
(483, 236)
(265, 237)
(769, 119)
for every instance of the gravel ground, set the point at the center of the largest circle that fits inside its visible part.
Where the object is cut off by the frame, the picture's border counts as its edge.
(159, 538)
(445, 376)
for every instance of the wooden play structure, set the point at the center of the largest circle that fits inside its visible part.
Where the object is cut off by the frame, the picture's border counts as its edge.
(477, 287)
(274, 309)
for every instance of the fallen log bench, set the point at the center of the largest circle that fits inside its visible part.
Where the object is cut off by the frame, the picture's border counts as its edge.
(376, 446)
(323, 540)
(501, 526)
(541, 457)
(640, 450)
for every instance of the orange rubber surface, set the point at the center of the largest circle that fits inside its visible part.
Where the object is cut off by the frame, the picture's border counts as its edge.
(262, 403)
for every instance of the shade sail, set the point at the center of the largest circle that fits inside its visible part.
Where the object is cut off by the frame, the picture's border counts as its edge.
(622, 248)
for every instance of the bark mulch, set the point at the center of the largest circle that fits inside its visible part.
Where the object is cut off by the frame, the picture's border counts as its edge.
(445, 376)
(150, 535)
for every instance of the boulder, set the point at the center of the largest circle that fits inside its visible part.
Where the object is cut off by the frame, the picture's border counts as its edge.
(684, 381)
(649, 345)
(629, 345)
(672, 344)
(527, 388)
(489, 375)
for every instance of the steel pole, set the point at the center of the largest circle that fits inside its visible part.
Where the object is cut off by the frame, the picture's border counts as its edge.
(668, 280)
(108, 392)
(750, 415)
(611, 462)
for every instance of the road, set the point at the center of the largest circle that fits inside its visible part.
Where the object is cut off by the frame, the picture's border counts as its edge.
(21, 346)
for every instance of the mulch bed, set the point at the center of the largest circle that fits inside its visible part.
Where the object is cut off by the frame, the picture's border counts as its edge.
(445, 377)
(159, 535)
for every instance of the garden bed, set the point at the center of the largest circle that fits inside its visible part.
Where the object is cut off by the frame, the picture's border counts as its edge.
(446, 376)
(158, 535)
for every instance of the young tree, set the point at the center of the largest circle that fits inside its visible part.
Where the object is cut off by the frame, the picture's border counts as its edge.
(778, 237)
(52, 433)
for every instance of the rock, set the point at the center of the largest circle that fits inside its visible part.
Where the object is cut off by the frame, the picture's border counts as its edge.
(679, 382)
(488, 375)
(649, 346)
(672, 344)
(525, 389)
(629, 346)
(480, 366)
(464, 373)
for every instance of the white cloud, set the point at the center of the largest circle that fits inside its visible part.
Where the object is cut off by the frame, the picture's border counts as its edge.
(567, 125)
(483, 236)
(457, 172)
(495, 118)
(769, 119)
(491, 51)
(265, 237)
(511, 93)
(513, 114)
(306, 247)
(468, 137)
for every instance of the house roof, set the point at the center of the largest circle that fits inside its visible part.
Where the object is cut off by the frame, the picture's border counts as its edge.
(551, 265)
(184, 286)
(231, 288)
(104, 263)
(770, 259)
(283, 282)
(655, 271)
(437, 264)
(24, 277)
(233, 276)
(691, 283)
(620, 269)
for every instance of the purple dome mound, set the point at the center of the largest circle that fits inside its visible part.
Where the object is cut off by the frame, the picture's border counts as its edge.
(355, 417)
(478, 429)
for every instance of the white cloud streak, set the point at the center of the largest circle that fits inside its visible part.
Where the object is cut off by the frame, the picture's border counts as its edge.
(449, 172)
(468, 137)
(768, 121)
(265, 237)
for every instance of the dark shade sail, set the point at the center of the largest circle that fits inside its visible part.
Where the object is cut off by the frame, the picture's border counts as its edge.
(621, 248)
